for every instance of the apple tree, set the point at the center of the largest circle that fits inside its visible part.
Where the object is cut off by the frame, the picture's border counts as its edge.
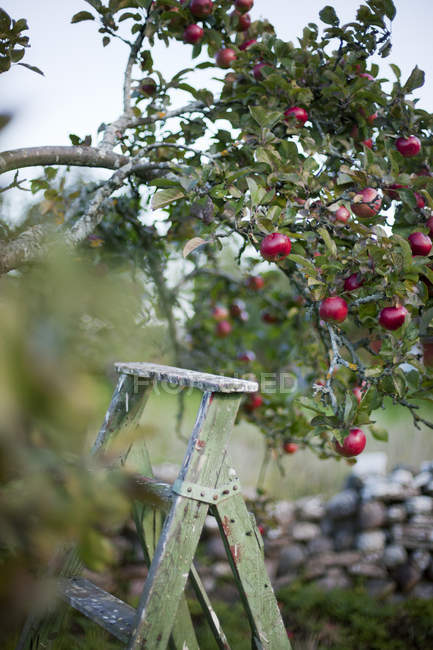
(296, 204)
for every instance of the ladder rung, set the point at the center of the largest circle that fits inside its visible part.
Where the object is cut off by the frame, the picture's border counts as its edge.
(98, 605)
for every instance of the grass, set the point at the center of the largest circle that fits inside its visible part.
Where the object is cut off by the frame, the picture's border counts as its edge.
(336, 620)
(304, 473)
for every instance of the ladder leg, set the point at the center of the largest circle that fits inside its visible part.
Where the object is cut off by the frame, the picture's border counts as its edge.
(182, 528)
(148, 522)
(244, 547)
(119, 427)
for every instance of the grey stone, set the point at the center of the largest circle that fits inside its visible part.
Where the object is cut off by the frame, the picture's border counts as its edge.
(221, 569)
(327, 526)
(396, 513)
(310, 508)
(344, 539)
(407, 576)
(335, 578)
(420, 505)
(320, 544)
(367, 570)
(304, 531)
(378, 588)
(343, 504)
(402, 475)
(371, 540)
(421, 559)
(428, 489)
(423, 590)
(291, 557)
(394, 555)
(427, 466)
(283, 512)
(372, 514)
(215, 548)
(422, 479)
(386, 490)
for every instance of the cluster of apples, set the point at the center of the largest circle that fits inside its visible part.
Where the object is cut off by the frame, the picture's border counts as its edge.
(202, 9)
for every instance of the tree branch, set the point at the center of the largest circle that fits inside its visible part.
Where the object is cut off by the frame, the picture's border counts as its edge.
(51, 155)
(27, 247)
(131, 60)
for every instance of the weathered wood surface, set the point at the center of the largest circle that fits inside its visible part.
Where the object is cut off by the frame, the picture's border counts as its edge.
(181, 377)
(148, 522)
(244, 547)
(99, 606)
(208, 610)
(182, 528)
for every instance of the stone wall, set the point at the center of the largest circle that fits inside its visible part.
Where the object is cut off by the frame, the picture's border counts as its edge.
(378, 529)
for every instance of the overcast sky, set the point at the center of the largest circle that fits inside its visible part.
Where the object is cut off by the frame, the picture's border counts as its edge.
(83, 81)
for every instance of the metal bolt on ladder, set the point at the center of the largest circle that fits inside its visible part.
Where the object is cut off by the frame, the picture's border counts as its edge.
(170, 519)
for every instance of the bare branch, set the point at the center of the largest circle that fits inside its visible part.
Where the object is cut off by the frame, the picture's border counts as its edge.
(27, 247)
(131, 60)
(51, 155)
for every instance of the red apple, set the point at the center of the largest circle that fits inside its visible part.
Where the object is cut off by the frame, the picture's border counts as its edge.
(366, 75)
(375, 345)
(237, 307)
(268, 317)
(391, 318)
(255, 282)
(367, 203)
(353, 282)
(290, 447)
(342, 214)
(358, 394)
(392, 193)
(368, 143)
(242, 22)
(201, 8)
(299, 113)
(246, 44)
(275, 247)
(429, 224)
(253, 402)
(243, 5)
(257, 70)
(371, 118)
(420, 203)
(193, 34)
(225, 57)
(223, 329)
(420, 244)
(261, 529)
(333, 309)
(353, 443)
(220, 313)
(408, 147)
(247, 356)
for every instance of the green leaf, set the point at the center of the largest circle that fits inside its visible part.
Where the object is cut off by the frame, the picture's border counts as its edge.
(416, 79)
(389, 9)
(298, 259)
(396, 70)
(164, 197)
(329, 242)
(379, 433)
(82, 15)
(405, 249)
(33, 68)
(328, 16)
(264, 117)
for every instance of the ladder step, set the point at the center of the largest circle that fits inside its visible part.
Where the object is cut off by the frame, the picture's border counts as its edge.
(98, 605)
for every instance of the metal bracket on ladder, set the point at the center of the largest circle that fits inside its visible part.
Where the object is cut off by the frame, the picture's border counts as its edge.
(206, 494)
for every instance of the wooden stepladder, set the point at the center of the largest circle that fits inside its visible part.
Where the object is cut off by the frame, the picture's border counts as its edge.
(170, 519)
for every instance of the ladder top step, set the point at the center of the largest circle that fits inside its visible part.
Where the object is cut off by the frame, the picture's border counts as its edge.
(181, 377)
